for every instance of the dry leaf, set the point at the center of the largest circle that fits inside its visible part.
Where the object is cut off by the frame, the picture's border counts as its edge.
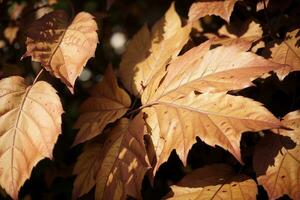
(149, 52)
(118, 166)
(277, 165)
(63, 48)
(287, 53)
(10, 33)
(108, 103)
(243, 36)
(218, 119)
(16, 10)
(217, 70)
(222, 8)
(30, 123)
(291, 120)
(216, 181)
(176, 111)
(86, 169)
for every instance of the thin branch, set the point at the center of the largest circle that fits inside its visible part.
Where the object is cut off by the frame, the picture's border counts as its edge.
(37, 76)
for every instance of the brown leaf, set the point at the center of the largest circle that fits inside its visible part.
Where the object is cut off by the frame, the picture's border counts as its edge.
(149, 52)
(218, 119)
(117, 166)
(277, 165)
(222, 8)
(287, 53)
(30, 123)
(16, 10)
(217, 181)
(63, 48)
(10, 33)
(108, 103)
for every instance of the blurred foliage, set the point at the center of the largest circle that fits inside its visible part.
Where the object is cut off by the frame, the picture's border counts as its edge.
(52, 179)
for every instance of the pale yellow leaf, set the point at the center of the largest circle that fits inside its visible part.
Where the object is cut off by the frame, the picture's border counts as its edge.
(108, 102)
(213, 182)
(287, 53)
(30, 122)
(277, 166)
(63, 48)
(202, 8)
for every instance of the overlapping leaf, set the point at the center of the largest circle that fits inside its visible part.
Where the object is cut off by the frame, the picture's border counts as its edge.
(175, 109)
(63, 48)
(222, 8)
(30, 122)
(287, 53)
(107, 104)
(216, 181)
(149, 51)
(276, 160)
(117, 166)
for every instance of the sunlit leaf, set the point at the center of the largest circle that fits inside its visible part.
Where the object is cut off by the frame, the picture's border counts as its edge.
(216, 181)
(30, 122)
(63, 48)
(150, 51)
(222, 8)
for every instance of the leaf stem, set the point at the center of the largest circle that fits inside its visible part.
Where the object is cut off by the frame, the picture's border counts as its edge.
(37, 76)
(140, 108)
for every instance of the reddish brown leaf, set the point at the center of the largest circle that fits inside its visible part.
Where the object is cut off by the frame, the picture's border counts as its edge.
(30, 122)
(216, 181)
(107, 104)
(63, 48)
(117, 166)
(222, 8)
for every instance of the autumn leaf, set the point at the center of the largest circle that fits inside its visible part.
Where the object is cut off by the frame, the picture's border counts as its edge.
(222, 8)
(292, 121)
(217, 181)
(150, 51)
(117, 166)
(10, 33)
(63, 48)
(277, 165)
(287, 53)
(244, 36)
(108, 102)
(30, 122)
(176, 113)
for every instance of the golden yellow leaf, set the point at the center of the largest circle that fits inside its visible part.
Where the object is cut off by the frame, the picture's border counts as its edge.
(108, 103)
(10, 33)
(149, 52)
(277, 166)
(117, 166)
(217, 181)
(287, 53)
(63, 48)
(30, 122)
(217, 118)
(222, 8)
